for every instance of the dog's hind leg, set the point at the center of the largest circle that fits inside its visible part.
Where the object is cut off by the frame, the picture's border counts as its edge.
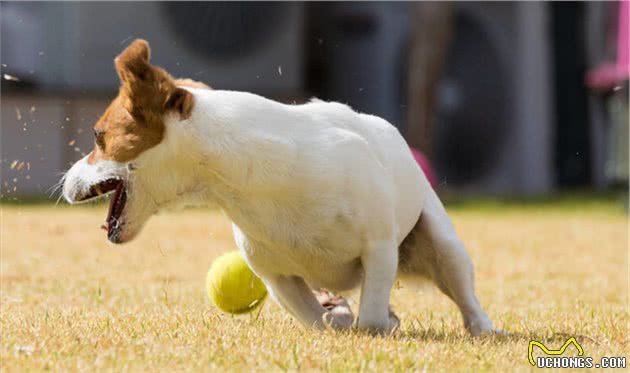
(433, 249)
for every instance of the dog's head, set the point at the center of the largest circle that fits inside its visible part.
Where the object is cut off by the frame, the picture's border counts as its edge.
(131, 127)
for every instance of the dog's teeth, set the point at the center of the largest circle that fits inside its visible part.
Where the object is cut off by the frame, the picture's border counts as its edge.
(97, 188)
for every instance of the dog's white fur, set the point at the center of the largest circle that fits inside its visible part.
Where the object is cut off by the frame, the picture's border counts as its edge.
(319, 196)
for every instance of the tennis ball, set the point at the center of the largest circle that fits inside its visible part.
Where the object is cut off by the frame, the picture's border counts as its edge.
(232, 286)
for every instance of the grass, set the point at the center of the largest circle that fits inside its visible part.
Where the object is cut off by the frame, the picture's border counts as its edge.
(69, 301)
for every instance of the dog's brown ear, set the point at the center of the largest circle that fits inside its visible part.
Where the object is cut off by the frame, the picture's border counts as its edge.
(180, 101)
(133, 62)
(144, 88)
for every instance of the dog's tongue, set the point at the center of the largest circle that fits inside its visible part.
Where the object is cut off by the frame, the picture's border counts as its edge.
(112, 204)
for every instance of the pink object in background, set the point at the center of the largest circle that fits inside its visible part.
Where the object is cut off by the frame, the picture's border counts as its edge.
(608, 75)
(425, 165)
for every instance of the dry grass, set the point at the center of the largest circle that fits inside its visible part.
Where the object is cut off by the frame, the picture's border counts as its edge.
(70, 301)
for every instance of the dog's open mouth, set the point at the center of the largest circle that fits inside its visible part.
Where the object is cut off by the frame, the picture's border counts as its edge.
(116, 207)
(116, 203)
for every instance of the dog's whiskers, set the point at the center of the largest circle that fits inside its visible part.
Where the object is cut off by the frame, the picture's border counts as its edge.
(57, 187)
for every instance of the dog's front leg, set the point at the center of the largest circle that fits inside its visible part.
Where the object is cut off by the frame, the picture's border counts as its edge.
(295, 296)
(380, 263)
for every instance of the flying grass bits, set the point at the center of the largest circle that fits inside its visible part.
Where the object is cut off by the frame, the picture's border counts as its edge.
(232, 286)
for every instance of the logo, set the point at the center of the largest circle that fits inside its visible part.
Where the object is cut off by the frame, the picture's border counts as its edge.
(555, 360)
(547, 351)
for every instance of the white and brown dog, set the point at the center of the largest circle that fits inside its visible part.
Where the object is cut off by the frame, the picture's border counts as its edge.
(320, 196)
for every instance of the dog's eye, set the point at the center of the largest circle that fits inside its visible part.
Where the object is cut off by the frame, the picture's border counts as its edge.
(99, 137)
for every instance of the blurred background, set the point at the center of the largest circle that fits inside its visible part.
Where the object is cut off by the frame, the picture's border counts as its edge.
(502, 99)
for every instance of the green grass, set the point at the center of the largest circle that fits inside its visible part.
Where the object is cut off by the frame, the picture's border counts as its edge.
(69, 301)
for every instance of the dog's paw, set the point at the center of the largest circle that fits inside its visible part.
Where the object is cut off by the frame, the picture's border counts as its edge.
(389, 327)
(338, 313)
(483, 327)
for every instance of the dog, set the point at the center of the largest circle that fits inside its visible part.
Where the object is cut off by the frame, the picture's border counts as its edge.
(320, 196)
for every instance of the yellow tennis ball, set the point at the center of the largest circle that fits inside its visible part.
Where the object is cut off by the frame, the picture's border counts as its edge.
(232, 286)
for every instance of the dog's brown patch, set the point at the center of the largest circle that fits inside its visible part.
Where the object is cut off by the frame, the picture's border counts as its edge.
(134, 121)
(191, 84)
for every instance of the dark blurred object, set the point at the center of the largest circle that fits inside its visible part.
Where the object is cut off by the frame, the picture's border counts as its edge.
(573, 148)
(493, 131)
(469, 139)
(230, 30)
(430, 34)
(10, 83)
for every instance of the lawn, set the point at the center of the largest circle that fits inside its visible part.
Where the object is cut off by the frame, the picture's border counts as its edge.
(71, 301)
